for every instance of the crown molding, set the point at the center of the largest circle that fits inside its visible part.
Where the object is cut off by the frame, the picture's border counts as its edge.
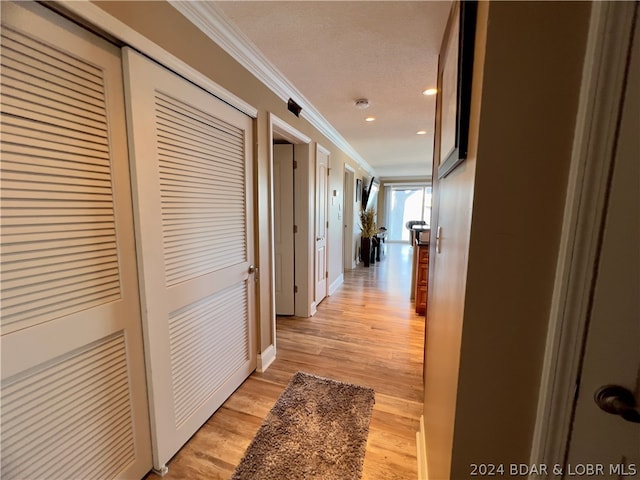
(214, 23)
(90, 15)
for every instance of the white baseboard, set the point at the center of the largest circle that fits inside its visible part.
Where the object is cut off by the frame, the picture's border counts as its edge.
(421, 447)
(266, 358)
(336, 284)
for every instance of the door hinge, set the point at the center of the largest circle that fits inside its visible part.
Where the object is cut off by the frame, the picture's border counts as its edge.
(326, 274)
(295, 289)
(295, 229)
(327, 224)
(295, 164)
(328, 172)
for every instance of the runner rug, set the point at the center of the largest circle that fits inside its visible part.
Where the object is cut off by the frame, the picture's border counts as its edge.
(317, 429)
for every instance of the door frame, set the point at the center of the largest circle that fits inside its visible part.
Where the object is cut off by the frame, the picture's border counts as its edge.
(320, 150)
(599, 108)
(348, 210)
(303, 209)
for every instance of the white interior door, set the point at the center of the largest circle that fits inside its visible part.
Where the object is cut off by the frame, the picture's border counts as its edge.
(73, 381)
(283, 226)
(193, 184)
(612, 354)
(322, 187)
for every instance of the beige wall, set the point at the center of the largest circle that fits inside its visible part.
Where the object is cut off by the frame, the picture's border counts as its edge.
(162, 24)
(336, 220)
(486, 333)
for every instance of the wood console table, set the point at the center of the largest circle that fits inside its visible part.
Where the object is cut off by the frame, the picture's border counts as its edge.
(421, 258)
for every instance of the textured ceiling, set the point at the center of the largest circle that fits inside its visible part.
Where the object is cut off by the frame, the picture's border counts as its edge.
(336, 52)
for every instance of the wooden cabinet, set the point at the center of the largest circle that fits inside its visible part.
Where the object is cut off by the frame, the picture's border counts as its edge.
(421, 277)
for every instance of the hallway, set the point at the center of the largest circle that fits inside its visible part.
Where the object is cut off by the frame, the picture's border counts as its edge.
(366, 333)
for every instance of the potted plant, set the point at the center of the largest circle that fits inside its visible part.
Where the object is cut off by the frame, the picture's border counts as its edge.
(368, 229)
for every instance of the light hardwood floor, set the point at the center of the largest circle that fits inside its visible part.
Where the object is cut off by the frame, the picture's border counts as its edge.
(365, 333)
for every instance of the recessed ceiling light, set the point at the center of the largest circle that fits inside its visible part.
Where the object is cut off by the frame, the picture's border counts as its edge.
(421, 132)
(430, 91)
(370, 119)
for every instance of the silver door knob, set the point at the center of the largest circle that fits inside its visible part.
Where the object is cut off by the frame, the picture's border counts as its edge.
(253, 269)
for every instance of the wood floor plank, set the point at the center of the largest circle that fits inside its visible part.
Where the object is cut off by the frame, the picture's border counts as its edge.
(366, 333)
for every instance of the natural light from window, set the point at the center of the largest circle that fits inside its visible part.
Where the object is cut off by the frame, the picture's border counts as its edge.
(407, 203)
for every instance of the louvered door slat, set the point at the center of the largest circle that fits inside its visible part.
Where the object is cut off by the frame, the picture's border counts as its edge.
(182, 227)
(168, 103)
(13, 251)
(198, 355)
(56, 227)
(62, 164)
(18, 63)
(46, 264)
(171, 182)
(54, 143)
(74, 423)
(72, 397)
(196, 254)
(14, 191)
(16, 44)
(51, 96)
(191, 137)
(53, 134)
(188, 158)
(200, 143)
(197, 239)
(41, 307)
(50, 109)
(17, 108)
(22, 178)
(64, 135)
(17, 77)
(18, 279)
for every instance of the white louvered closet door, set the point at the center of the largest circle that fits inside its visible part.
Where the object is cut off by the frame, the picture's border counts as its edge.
(192, 160)
(73, 381)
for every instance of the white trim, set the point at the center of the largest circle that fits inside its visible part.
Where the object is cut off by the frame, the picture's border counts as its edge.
(313, 309)
(598, 112)
(348, 207)
(94, 15)
(214, 23)
(322, 149)
(282, 128)
(287, 131)
(401, 185)
(302, 186)
(266, 358)
(336, 284)
(421, 451)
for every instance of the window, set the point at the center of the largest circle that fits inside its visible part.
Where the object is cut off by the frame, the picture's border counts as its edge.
(406, 203)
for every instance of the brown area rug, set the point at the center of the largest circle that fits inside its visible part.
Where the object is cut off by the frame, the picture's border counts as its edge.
(318, 429)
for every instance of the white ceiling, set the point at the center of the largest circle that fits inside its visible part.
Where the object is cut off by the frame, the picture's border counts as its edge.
(335, 52)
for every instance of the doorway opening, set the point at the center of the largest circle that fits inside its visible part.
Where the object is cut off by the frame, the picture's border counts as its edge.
(348, 246)
(291, 232)
(404, 203)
